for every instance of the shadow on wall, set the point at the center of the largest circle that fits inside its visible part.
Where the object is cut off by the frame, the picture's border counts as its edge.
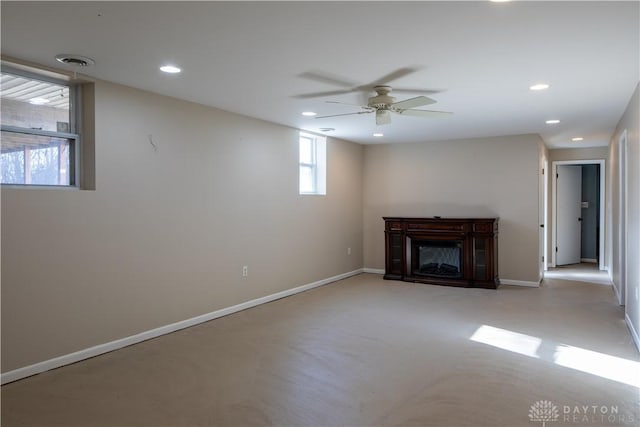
(427, 210)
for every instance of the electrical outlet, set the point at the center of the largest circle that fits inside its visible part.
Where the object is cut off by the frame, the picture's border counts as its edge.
(348, 251)
(245, 271)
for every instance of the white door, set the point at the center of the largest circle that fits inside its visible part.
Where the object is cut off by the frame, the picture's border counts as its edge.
(569, 198)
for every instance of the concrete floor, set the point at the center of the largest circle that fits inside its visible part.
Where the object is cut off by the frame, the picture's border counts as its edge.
(364, 352)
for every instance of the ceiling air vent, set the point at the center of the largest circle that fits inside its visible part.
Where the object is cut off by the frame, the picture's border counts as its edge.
(75, 60)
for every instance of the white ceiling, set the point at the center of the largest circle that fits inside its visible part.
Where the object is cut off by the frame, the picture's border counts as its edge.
(249, 58)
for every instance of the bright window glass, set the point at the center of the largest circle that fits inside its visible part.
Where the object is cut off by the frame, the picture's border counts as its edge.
(35, 160)
(38, 131)
(313, 164)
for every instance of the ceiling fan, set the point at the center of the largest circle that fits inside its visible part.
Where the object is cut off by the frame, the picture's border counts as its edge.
(384, 104)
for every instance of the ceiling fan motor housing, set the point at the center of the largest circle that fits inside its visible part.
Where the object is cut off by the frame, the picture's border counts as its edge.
(383, 100)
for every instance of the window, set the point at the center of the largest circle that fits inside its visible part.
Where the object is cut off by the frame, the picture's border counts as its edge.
(313, 164)
(39, 139)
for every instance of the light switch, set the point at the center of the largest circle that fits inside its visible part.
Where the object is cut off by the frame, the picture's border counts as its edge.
(584, 205)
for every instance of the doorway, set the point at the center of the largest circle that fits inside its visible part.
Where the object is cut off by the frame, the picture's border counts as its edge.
(578, 212)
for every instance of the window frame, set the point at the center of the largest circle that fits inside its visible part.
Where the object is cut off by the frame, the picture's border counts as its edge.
(75, 123)
(317, 167)
(313, 166)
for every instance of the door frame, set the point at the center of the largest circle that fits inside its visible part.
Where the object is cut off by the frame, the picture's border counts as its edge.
(554, 212)
(544, 224)
(623, 214)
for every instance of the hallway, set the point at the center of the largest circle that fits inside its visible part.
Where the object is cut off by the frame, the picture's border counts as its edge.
(583, 272)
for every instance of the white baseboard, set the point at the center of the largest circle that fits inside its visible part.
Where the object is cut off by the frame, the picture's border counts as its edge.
(519, 283)
(616, 290)
(99, 349)
(634, 333)
(373, 270)
(589, 260)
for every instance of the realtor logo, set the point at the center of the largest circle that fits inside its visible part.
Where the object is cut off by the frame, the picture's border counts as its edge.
(543, 411)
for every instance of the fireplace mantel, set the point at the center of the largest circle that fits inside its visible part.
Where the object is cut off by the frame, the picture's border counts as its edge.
(442, 251)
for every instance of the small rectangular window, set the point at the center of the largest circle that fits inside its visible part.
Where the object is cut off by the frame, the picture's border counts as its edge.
(39, 138)
(313, 164)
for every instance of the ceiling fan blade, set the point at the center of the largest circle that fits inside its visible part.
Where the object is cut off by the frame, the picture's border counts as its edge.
(321, 76)
(350, 105)
(383, 117)
(347, 114)
(424, 113)
(416, 90)
(418, 101)
(322, 94)
(395, 75)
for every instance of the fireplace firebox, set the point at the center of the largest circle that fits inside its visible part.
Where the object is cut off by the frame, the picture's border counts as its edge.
(436, 258)
(443, 251)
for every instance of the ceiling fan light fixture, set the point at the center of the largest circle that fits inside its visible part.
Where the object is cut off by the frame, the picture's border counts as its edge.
(383, 117)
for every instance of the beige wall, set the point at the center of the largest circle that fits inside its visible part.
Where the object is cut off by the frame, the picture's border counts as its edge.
(488, 177)
(166, 233)
(629, 122)
(591, 153)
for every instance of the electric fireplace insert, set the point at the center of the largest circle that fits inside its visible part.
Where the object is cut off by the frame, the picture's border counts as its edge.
(437, 258)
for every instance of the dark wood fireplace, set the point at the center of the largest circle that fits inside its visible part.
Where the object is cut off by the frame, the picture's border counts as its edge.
(442, 251)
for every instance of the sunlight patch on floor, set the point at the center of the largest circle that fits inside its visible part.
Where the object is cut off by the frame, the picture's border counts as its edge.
(507, 340)
(591, 362)
(600, 364)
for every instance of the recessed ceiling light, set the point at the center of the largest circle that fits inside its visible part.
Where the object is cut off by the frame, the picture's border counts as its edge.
(577, 139)
(308, 113)
(38, 101)
(552, 122)
(378, 134)
(171, 69)
(539, 86)
(499, 1)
